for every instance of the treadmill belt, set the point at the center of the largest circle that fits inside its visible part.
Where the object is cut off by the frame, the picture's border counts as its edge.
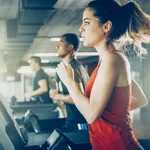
(78, 137)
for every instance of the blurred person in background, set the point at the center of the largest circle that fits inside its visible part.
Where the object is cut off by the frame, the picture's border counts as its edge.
(41, 87)
(66, 49)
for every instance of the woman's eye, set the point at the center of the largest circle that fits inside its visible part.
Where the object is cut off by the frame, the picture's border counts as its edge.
(86, 23)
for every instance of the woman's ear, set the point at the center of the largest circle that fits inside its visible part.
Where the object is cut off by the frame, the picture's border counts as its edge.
(107, 26)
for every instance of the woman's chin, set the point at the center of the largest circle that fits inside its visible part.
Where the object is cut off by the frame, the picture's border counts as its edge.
(85, 44)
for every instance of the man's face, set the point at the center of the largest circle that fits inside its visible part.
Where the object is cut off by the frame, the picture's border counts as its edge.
(33, 64)
(62, 48)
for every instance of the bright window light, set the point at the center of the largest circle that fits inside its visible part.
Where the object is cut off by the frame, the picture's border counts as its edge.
(10, 78)
(26, 70)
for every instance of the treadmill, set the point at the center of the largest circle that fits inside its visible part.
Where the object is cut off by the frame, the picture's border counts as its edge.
(15, 137)
(11, 137)
(44, 111)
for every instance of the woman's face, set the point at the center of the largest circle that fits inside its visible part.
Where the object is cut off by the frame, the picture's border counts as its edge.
(91, 29)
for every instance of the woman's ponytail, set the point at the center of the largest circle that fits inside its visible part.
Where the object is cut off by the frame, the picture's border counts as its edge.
(138, 24)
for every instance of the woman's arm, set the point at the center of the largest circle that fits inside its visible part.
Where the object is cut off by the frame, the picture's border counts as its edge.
(138, 98)
(104, 83)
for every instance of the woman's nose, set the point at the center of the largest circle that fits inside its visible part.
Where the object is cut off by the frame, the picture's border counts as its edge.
(81, 28)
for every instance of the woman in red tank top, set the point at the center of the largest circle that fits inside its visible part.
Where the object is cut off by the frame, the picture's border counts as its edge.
(110, 93)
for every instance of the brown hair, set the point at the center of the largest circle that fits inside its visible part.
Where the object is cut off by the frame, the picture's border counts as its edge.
(128, 21)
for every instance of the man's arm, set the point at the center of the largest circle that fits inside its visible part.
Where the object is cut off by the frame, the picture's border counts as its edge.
(138, 98)
(43, 89)
(65, 98)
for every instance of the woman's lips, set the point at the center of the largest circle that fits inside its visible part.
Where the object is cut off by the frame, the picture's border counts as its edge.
(83, 37)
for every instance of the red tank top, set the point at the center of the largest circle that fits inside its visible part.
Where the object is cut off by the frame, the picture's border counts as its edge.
(112, 130)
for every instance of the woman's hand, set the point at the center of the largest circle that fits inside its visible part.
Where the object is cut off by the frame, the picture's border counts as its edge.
(53, 94)
(65, 72)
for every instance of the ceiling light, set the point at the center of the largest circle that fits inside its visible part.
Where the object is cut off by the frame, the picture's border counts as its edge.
(46, 54)
(55, 39)
(87, 54)
(77, 54)
(45, 60)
